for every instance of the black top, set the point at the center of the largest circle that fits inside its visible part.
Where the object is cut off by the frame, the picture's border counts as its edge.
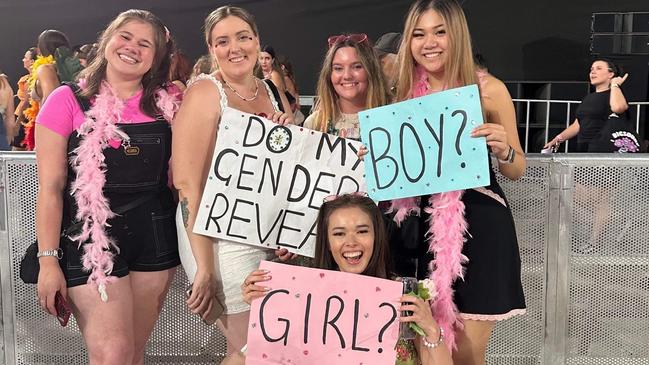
(592, 114)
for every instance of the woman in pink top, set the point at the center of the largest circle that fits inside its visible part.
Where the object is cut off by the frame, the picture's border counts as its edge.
(104, 215)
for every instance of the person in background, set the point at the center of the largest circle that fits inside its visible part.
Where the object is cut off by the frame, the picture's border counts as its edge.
(18, 131)
(216, 267)
(6, 111)
(180, 70)
(352, 223)
(272, 71)
(350, 81)
(102, 157)
(204, 65)
(436, 54)
(386, 48)
(292, 89)
(595, 108)
(44, 78)
(86, 53)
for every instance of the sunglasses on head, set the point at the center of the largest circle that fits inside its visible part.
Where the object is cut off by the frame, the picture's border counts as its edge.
(337, 39)
(330, 198)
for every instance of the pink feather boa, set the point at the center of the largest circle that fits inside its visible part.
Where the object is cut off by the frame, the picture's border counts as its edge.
(87, 161)
(447, 227)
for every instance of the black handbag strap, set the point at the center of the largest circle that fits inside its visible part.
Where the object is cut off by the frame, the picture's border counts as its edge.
(75, 227)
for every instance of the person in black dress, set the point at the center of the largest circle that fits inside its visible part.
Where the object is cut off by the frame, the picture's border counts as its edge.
(595, 108)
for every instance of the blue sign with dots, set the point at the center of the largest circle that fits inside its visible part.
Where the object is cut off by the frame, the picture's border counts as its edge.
(423, 145)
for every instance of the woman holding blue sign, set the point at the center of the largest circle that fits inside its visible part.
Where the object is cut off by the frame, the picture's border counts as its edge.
(350, 81)
(435, 55)
(217, 268)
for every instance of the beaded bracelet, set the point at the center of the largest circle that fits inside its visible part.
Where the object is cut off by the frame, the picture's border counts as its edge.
(440, 340)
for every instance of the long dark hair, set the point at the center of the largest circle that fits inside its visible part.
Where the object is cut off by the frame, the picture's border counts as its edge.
(180, 69)
(153, 80)
(50, 40)
(380, 264)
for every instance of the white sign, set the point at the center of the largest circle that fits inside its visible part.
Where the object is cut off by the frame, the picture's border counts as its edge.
(268, 181)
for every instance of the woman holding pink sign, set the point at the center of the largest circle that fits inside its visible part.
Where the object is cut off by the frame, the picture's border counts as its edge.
(351, 237)
(473, 227)
(216, 268)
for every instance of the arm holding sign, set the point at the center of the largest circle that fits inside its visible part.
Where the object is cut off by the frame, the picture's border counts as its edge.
(500, 130)
(194, 135)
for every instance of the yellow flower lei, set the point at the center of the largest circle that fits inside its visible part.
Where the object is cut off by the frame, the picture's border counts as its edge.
(40, 61)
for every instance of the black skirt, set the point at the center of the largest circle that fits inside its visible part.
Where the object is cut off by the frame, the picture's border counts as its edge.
(491, 289)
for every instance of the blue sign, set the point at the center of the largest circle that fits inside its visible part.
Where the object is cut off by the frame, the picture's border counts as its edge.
(423, 145)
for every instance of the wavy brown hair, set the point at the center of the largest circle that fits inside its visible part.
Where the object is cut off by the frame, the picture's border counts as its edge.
(153, 80)
(459, 69)
(180, 68)
(326, 105)
(379, 265)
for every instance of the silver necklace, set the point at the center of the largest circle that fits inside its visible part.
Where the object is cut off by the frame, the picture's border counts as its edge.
(239, 95)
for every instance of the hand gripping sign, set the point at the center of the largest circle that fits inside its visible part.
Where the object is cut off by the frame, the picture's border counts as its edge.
(313, 316)
(423, 145)
(267, 182)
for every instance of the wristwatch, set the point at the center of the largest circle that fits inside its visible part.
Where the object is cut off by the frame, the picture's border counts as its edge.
(510, 156)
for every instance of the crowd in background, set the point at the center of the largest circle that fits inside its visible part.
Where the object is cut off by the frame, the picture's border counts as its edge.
(81, 107)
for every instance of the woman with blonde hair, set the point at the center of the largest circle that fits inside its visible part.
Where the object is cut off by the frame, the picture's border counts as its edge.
(350, 81)
(216, 268)
(435, 54)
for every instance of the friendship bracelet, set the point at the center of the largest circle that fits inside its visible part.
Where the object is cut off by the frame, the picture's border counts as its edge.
(440, 340)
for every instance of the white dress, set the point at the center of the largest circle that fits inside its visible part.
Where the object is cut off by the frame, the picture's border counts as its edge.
(233, 261)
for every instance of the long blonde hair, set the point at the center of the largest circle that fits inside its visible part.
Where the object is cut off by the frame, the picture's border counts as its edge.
(326, 106)
(459, 69)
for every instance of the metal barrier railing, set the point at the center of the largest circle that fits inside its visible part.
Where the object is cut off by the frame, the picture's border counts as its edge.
(638, 111)
(582, 231)
(32, 337)
(635, 110)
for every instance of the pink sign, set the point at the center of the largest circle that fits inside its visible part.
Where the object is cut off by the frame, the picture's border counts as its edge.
(313, 316)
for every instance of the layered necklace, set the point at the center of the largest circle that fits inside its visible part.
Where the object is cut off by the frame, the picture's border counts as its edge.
(241, 96)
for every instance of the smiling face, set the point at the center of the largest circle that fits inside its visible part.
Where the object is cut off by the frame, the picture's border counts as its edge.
(429, 44)
(234, 46)
(350, 233)
(130, 50)
(600, 73)
(348, 75)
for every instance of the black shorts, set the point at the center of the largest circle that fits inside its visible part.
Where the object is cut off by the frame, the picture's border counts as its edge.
(146, 237)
